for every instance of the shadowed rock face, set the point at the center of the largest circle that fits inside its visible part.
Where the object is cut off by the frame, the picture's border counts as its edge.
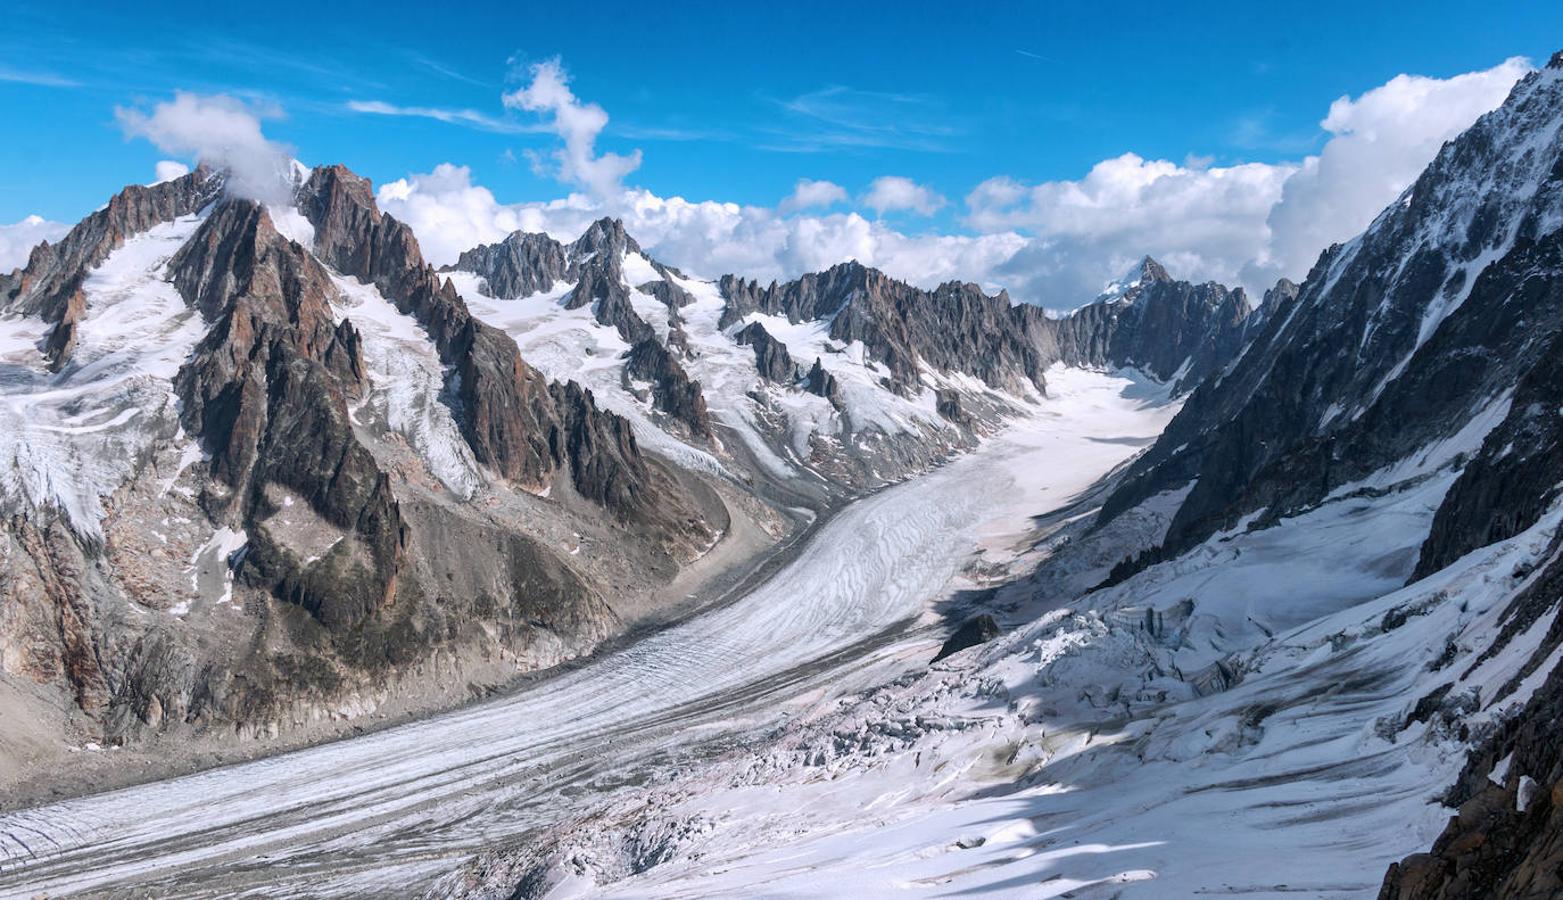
(672, 390)
(518, 266)
(1168, 329)
(511, 418)
(823, 384)
(1394, 341)
(770, 355)
(954, 328)
(977, 630)
(266, 392)
(50, 285)
(1506, 840)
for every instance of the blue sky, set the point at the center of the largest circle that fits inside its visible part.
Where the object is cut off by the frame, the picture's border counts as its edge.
(1220, 103)
(731, 100)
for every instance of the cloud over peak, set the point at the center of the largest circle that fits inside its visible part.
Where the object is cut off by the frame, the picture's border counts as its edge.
(219, 130)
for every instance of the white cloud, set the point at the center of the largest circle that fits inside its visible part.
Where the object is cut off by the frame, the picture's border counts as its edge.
(809, 194)
(168, 170)
(1053, 243)
(578, 124)
(1380, 142)
(219, 130)
(469, 117)
(891, 193)
(1200, 222)
(1245, 224)
(18, 239)
(450, 214)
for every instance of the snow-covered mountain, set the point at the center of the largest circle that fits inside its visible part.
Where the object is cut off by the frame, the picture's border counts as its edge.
(268, 473)
(1311, 634)
(266, 470)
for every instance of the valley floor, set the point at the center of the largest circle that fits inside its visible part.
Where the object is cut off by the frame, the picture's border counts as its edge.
(413, 805)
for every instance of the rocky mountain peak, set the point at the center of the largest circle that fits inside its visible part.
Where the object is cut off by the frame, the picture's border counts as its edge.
(50, 285)
(521, 265)
(1151, 270)
(1132, 283)
(604, 237)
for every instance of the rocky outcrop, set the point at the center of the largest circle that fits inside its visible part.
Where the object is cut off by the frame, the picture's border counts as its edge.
(955, 328)
(266, 393)
(947, 403)
(823, 384)
(518, 266)
(770, 355)
(50, 285)
(672, 390)
(510, 416)
(1507, 838)
(668, 294)
(1170, 330)
(977, 630)
(1394, 342)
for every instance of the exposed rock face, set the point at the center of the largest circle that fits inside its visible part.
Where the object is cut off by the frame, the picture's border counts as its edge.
(672, 390)
(1438, 330)
(954, 328)
(949, 406)
(48, 623)
(1166, 328)
(1507, 839)
(1395, 341)
(49, 286)
(310, 560)
(518, 266)
(823, 384)
(267, 394)
(979, 629)
(671, 295)
(511, 418)
(770, 355)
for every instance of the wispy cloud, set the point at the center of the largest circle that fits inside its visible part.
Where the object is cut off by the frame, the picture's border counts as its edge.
(669, 133)
(445, 71)
(40, 79)
(1030, 55)
(470, 118)
(839, 117)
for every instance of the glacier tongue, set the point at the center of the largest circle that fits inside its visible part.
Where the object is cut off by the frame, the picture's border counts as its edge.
(69, 440)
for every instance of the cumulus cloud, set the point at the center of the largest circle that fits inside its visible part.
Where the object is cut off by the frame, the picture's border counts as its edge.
(578, 125)
(1200, 222)
(18, 239)
(168, 170)
(893, 193)
(450, 214)
(221, 131)
(1053, 243)
(1247, 224)
(809, 194)
(1379, 143)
